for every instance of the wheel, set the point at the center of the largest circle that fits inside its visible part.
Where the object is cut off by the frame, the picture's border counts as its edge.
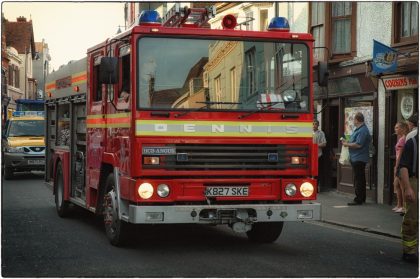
(61, 205)
(265, 232)
(116, 229)
(8, 173)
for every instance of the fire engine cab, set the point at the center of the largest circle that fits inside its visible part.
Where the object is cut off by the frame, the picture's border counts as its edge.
(173, 122)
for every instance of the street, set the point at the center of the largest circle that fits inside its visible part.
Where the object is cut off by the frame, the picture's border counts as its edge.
(38, 243)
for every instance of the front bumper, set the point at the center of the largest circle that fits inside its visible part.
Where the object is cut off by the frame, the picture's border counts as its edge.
(191, 214)
(22, 161)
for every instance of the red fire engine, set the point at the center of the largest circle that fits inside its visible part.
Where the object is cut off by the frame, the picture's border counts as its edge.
(174, 122)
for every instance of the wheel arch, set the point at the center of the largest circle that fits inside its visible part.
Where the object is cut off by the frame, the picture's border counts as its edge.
(63, 157)
(106, 170)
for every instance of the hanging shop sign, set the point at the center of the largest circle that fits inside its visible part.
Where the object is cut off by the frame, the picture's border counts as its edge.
(397, 83)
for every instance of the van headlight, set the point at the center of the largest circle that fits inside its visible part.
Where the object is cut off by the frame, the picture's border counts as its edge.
(15, 149)
(145, 191)
(290, 189)
(306, 189)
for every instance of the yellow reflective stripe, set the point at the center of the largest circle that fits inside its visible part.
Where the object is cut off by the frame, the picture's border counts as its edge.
(231, 123)
(116, 120)
(95, 116)
(224, 134)
(410, 243)
(175, 128)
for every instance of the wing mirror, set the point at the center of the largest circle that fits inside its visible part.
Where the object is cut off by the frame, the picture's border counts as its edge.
(323, 74)
(108, 70)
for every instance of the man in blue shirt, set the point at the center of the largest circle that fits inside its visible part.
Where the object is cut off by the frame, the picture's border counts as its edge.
(359, 155)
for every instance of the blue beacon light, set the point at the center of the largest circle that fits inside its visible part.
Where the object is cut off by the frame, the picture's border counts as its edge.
(150, 17)
(279, 24)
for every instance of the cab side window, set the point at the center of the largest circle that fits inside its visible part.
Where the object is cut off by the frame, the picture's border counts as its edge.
(125, 60)
(97, 87)
(97, 93)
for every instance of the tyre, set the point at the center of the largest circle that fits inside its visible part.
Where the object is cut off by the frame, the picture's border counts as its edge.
(265, 232)
(116, 229)
(8, 173)
(61, 205)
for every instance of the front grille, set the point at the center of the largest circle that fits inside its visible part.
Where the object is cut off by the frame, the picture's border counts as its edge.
(233, 157)
(34, 149)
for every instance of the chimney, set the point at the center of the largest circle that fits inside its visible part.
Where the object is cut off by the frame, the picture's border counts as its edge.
(21, 19)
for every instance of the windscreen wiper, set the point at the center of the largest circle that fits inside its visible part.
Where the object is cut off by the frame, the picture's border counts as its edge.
(207, 105)
(268, 105)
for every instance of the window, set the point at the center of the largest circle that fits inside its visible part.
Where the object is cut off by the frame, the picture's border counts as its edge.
(14, 76)
(317, 28)
(233, 87)
(341, 27)
(263, 20)
(218, 89)
(250, 71)
(406, 22)
(125, 74)
(249, 18)
(333, 25)
(97, 87)
(245, 72)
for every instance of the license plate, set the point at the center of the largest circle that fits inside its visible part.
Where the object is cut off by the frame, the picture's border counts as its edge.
(227, 191)
(36, 162)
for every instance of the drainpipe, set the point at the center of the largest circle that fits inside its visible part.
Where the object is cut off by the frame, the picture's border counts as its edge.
(26, 65)
(276, 9)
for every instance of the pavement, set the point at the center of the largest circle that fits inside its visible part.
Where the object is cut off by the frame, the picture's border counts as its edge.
(369, 217)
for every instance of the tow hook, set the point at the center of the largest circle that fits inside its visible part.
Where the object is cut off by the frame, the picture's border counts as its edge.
(245, 224)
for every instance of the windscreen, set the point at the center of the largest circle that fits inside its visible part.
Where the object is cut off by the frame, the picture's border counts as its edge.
(202, 74)
(26, 128)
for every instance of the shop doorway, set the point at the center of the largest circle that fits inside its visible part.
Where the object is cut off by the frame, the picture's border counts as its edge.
(331, 130)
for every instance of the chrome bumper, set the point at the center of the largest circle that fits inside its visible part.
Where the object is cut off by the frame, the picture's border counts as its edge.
(190, 214)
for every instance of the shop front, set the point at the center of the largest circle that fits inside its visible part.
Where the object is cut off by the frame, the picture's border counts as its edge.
(347, 95)
(401, 102)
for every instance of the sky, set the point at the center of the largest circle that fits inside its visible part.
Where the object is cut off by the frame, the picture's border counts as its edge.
(69, 28)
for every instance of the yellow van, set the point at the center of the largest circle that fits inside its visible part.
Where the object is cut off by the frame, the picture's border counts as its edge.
(23, 143)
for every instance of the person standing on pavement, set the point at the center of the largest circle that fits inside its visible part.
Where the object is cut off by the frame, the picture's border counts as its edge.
(412, 125)
(401, 130)
(359, 156)
(319, 139)
(408, 171)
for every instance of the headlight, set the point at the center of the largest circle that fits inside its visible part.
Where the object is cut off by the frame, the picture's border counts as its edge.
(15, 149)
(289, 95)
(145, 191)
(290, 189)
(163, 190)
(306, 189)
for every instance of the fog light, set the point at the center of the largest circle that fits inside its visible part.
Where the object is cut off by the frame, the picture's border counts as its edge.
(151, 160)
(154, 216)
(290, 189)
(163, 190)
(145, 191)
(306, 189)
(304, 214)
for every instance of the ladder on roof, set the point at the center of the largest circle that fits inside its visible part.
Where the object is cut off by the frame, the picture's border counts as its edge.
(197, 17)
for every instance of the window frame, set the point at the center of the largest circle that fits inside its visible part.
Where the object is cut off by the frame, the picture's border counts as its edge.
(397, 40)
(328, 28)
